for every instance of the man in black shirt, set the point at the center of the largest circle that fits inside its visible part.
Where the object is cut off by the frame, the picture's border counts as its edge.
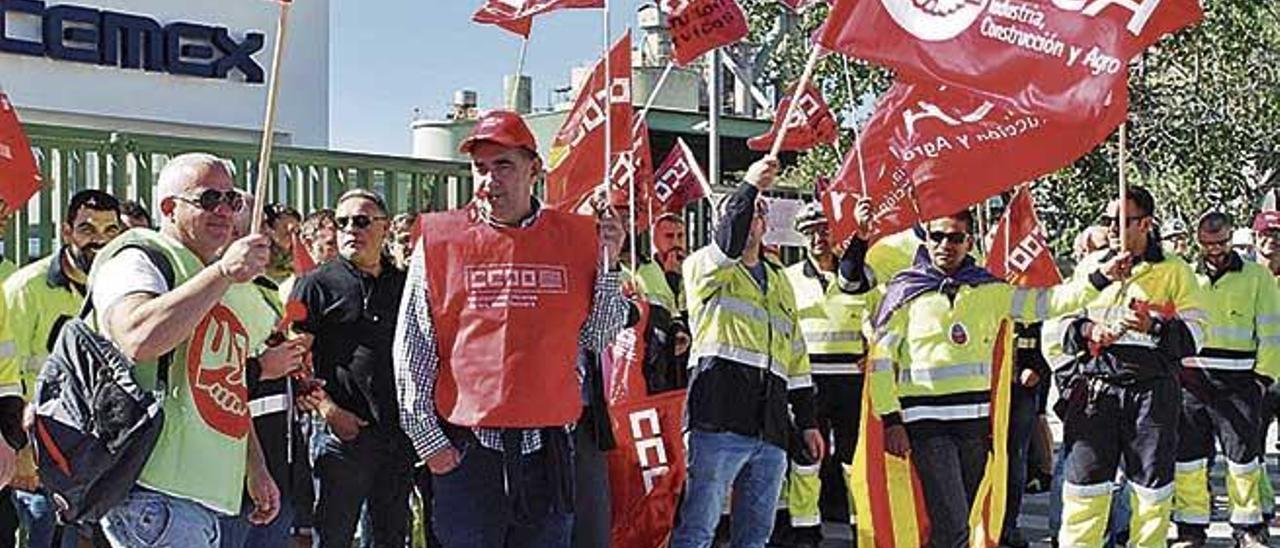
(360, 454)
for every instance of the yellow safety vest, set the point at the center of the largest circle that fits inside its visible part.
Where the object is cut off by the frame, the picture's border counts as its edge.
(1243, 312)
(651, 282)
(35, 306)
(830, 319)
(731, 318)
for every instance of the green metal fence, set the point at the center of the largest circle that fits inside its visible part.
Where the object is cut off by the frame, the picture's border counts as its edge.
(127, 165)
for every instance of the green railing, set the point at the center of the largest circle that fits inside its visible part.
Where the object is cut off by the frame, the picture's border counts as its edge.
(127, 165)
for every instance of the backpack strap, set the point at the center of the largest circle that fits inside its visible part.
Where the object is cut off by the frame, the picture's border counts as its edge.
(161, 262)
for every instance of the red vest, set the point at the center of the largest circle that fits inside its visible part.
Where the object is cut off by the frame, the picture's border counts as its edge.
(508, 305)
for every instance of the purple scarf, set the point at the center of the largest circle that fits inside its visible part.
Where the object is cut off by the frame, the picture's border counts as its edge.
(922, 278)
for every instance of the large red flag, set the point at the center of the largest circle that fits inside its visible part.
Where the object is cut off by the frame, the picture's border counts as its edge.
(517, 15)
(576, 163)
(646, 470)
(632, 168)
(810, 124)
(1059, 58)
(1019, 249)
(19, 176)
(679, 181)
(930, 151)
(699, 26)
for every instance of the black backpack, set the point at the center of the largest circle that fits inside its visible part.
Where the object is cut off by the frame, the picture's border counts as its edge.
(94, 426)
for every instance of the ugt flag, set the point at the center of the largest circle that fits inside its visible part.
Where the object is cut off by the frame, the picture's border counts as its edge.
(1059, 58)
(517, 15)
(19, 176)
(576, 164)
(699, 26)
(930, 151)
(1019, 251)
(679, 181)
(810, 124)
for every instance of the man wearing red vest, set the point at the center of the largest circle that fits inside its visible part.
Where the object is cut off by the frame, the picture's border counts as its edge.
(499, 298)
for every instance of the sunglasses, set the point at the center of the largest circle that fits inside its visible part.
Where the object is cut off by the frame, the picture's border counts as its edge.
(1111, 220)
(210, 199)
(356, 221)
(954, 238)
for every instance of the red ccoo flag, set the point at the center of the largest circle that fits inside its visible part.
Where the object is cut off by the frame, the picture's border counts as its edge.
(679, 181)
(1060, 59)
(810, 124)
(517, 15)
(19, 177)
(930, 151)
(1019, 250)
(576, 161)
(632, 167)
(699, 26)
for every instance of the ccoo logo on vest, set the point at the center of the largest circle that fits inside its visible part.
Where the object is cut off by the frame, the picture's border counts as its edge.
(100, 37)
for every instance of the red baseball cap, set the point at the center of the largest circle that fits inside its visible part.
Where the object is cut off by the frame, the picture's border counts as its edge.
(1266, 220)
(503, 127)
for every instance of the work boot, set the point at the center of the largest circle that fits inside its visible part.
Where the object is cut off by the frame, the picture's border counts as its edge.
(1189, 536)
(806, 537)
(1255, 537)
(1013, 539)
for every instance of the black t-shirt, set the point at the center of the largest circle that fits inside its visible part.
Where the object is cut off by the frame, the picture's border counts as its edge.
(353, 318)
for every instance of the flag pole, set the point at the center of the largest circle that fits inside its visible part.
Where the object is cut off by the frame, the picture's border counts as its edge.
(857, 132)
(715, 101)
(268, 125)
(515, 88)
(653, 93)
(807, 75)
(1124, 186)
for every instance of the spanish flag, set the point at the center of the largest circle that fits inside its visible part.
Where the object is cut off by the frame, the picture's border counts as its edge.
(887, 496)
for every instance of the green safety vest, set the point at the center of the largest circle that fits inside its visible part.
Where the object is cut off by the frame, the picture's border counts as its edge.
(830, 319)
(939, 352)
(732, 319)
(651, 282)
(1168, 286)
(1243, 311)
(34, 307)
(202, 448)
(10, 377)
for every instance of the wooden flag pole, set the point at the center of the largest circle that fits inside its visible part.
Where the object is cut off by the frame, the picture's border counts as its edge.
(857, 132)
(807, 75)
(269, 124)
(515, 88)
(1124, 188)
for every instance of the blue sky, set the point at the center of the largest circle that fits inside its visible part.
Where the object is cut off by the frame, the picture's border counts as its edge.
(387, 60)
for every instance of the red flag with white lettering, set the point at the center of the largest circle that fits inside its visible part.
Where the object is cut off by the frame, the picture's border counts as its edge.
(19, 177)
(679, 181)
(1019, 250)
(646, 470)
(810, 124)
(699, 26)
(576, 161)
(930, 151)
(1058, 58)
(632, 168)
(517, 15)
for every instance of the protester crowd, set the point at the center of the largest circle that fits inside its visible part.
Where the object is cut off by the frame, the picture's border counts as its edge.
(321, 368)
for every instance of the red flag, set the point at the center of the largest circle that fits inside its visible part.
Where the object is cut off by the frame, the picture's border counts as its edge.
(632, 166)
(699, 26)
(19, 177)
(576, 162)
(810, 124)
(303, 262)
(1060, 58)
(517, 15)
(930, 151)
(623, 362)
(646, 470)
(1019, 249)
(679, 181)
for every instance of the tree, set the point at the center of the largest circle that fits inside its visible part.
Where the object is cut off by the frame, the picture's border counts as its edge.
(1204, 128)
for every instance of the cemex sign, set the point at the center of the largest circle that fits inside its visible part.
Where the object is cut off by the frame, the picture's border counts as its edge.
(89, 35)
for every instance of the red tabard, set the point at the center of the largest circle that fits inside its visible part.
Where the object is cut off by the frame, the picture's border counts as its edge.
(508, 305)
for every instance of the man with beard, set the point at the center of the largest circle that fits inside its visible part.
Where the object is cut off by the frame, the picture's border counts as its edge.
(1221, 393)
(658, 281)
(40, 298)
(282, 223)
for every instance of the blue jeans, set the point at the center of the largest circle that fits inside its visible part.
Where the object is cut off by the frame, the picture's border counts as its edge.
(717, 461)
(1022, 422)
(147, 518)
(237, 532)
(37, 515)
(375, 468)
(471, 507)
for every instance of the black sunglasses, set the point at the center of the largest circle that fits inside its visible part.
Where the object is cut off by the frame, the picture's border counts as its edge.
(951, 237)
(357, 221)
(1111, 220)
(210, 199)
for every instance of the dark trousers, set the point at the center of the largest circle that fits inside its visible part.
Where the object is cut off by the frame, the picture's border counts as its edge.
(839, 401)
(950, 459)
(8, 519)
(374, 469)
(1226, 406)
(591, 520)
(1023, 412)
(473, 506)
(1137, 423)
(422, 482)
